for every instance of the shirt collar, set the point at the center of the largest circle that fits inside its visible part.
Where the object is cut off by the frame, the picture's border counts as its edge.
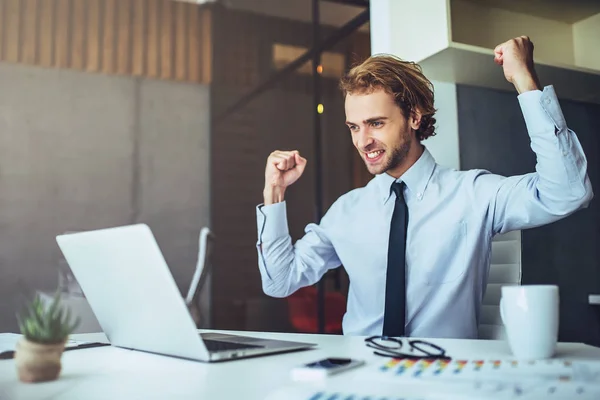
(416, 177)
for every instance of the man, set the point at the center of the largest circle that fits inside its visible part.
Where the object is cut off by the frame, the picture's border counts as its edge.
(416, 240)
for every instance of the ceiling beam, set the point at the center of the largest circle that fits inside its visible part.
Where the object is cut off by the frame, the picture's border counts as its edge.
(357, 3)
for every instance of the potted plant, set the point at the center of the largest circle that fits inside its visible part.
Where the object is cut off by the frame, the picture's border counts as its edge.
(45, 332)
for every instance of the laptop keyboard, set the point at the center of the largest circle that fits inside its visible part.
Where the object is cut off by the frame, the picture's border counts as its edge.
(217, 345)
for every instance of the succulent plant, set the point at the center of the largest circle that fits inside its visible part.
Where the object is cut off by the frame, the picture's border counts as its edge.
(46, 325)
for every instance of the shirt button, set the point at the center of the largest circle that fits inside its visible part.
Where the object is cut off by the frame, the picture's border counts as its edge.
(419, 196)
(565, 153)
(547, 101)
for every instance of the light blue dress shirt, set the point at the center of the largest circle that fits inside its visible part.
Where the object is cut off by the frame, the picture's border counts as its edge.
(453, 216)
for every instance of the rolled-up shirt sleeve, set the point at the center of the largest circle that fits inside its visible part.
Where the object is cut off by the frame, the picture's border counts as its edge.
(286, 267)
(560, 184)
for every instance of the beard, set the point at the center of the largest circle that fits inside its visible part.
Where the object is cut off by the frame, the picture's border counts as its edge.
(392, 158)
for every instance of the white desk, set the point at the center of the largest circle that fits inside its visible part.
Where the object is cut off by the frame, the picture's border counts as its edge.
(113, 373)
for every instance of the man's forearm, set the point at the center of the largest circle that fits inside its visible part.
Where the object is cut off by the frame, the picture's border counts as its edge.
(273, 194)
(277, 258)
(561, 163)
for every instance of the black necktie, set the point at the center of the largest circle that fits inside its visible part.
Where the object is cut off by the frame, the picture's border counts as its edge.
(395, 286)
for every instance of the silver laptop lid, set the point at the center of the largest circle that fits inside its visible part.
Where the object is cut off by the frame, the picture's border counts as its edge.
(129, 286)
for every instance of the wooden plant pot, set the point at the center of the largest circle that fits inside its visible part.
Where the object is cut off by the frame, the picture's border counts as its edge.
(38, 362)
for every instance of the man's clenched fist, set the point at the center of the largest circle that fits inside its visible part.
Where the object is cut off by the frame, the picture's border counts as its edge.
(283, 169)
(516, 58)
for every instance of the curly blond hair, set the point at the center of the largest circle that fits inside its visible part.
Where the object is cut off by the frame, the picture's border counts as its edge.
(402, 79)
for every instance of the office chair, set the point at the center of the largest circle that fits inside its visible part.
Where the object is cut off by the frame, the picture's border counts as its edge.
(303, 312)
(505, 269)
(203, 269)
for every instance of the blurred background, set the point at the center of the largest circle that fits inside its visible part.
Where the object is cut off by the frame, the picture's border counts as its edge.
(115, 112)
(107, 113)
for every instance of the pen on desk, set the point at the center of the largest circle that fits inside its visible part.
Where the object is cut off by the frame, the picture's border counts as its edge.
(7, 355)
(87, 346)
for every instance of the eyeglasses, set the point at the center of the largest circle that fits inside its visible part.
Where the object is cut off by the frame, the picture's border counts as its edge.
(387, 346)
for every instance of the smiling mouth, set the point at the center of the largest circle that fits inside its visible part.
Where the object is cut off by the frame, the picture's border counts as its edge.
(374, 155)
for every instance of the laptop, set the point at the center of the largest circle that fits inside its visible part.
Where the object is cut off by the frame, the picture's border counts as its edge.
(130, 289)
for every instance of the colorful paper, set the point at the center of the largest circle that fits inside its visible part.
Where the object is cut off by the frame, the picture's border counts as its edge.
(347, 396)
(556, 370)
(501, 378)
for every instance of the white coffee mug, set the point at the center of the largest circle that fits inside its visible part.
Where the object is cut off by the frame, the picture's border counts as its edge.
(530, 316)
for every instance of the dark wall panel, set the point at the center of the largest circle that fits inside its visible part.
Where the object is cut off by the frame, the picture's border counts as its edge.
(281, 118)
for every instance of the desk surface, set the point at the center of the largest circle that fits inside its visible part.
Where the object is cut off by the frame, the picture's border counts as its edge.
(113, 373)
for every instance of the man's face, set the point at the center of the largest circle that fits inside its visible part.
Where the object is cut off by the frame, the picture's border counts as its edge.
(380, 132)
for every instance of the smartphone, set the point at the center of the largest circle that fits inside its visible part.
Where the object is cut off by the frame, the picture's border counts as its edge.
(323, 368)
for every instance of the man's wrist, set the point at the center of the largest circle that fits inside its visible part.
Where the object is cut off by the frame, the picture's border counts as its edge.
(273, 194)
(526, 82)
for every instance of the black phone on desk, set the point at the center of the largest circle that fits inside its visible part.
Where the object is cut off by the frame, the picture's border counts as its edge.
(325, 367)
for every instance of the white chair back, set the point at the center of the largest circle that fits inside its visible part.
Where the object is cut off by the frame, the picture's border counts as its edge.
(200, 277)
(505, 269)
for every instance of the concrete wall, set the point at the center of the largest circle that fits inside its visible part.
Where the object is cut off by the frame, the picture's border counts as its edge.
(84, 151)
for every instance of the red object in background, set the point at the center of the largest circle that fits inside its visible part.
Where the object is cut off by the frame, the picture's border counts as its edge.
(302, 308)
